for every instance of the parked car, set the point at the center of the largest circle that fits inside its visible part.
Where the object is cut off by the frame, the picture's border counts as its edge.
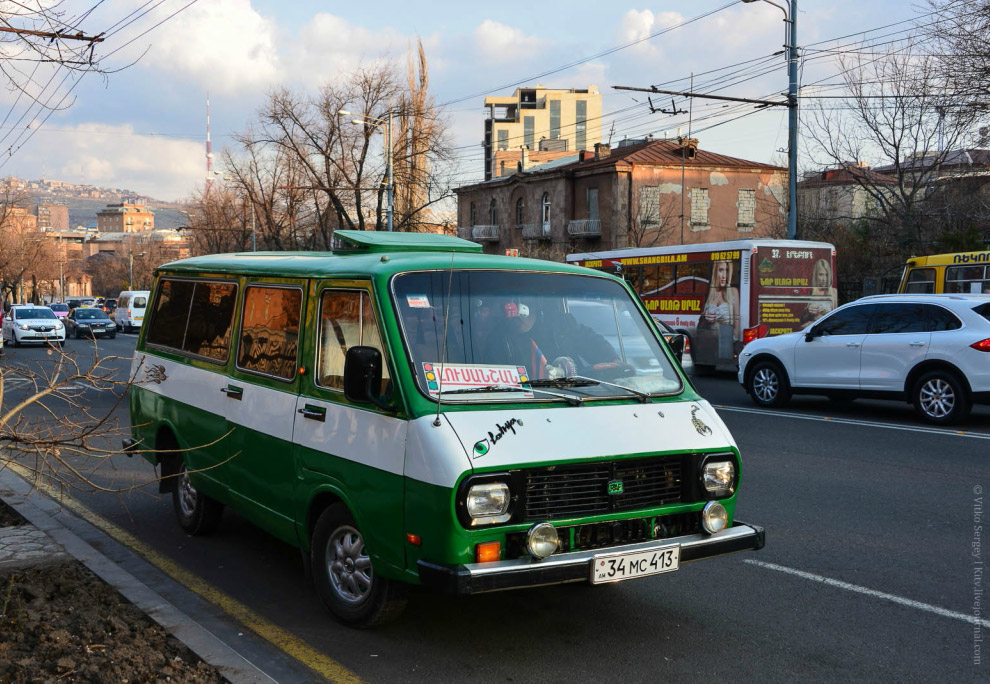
(131, 305)
(30, 323)
(60, 308)
(930, 350)
(89, 322)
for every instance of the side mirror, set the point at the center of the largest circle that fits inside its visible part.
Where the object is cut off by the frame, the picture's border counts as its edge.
(676, 342)
(811, 334)
(363, 376)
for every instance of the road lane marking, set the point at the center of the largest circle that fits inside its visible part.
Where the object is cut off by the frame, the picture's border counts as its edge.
(853, 421)
(839, 584)
(328, 668)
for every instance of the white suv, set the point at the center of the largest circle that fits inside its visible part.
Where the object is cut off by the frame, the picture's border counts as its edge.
(930, 350)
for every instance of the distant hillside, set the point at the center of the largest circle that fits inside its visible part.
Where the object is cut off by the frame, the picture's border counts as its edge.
(82, 211)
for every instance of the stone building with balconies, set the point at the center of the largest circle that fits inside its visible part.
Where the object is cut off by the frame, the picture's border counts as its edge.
(126, 217)
(643, 193)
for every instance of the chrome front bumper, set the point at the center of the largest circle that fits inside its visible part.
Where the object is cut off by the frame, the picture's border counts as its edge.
(474, 578)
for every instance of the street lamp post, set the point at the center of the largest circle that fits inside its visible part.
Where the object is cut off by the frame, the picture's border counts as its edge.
(378, 122)
(130, 280)
(790, 43)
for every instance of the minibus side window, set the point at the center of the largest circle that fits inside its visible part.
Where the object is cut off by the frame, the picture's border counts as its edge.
(921, 281)
(168, 323)
(210, 320)
(346, 320)
(270, 331)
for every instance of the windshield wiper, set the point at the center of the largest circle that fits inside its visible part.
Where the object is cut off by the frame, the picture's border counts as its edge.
(582, 381)
(570, 399)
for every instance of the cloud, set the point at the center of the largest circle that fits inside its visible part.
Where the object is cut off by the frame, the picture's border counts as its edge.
(222, 45)
(500, 43)
(329, 46)
(115, 157)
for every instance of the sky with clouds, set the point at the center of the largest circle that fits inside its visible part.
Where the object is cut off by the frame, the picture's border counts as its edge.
(143, 127)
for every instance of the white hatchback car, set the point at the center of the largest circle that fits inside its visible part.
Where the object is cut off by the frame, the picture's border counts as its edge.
(930, 350)
(29, 323)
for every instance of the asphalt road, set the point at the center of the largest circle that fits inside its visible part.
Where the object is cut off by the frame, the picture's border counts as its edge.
(870, 571)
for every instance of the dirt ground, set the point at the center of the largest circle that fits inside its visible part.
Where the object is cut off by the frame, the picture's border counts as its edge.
(61, 623)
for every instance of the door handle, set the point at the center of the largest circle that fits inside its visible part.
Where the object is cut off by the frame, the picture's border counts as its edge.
(314, 413)
(233, 392)
(917, 344)
(853, 344)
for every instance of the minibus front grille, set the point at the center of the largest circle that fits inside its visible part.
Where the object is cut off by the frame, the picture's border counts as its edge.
(558, 492)
(603, 535)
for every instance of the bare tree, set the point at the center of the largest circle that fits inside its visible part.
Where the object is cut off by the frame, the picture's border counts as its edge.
(959, 38)
(25, 255)
(897, 111)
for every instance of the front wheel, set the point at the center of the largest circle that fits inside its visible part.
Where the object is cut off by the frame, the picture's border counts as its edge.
(767, 384)
(197, 513)
(940, 398)
(344, 576)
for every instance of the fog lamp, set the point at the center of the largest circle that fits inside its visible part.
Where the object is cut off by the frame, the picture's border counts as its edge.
(714, 517)
(542, 540)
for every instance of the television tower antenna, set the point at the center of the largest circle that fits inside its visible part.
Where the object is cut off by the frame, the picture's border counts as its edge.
(209, 149)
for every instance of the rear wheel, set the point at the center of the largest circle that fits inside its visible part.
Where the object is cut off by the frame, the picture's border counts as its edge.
(941, 398)
(197, 513)
(767, 384)
(344, 576)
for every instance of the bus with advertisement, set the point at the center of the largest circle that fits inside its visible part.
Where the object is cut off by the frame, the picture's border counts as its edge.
(953, 273)
(722, 295)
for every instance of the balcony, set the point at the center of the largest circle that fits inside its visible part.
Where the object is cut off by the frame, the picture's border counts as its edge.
(484, 233)
(585, 228)
(535, 231)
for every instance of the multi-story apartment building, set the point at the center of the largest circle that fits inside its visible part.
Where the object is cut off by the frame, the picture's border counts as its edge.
(542, 119)
(52, 216)
(126, 217)
(655, 192)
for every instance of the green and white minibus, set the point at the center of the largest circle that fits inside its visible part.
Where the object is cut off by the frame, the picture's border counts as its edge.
(409, 411)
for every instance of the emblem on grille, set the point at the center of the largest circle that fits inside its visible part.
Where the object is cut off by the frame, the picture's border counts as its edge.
(615, 487)
(699, 424)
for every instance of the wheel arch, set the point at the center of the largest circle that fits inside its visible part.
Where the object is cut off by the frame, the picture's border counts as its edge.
(934, 365)
(167, 456)
(763, 356)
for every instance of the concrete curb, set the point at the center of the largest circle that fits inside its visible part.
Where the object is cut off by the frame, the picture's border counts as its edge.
(30, 503)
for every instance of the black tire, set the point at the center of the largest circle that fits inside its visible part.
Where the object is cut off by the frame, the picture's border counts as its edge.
(197, 513)
(344, 577)
(940, 397)
(767, 384)
(75, 333)
(13, 338)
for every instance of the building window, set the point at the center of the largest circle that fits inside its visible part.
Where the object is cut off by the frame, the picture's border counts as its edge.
(545, 212)
(593, 203)
(520, 211)
(581, 125)
(503, 139)
(493, 214)
(473, 215)
(555, 119)
(529, 131)
(699, 207)
(746, 209)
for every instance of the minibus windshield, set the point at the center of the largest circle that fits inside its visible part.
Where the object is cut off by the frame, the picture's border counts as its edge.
(514, 335)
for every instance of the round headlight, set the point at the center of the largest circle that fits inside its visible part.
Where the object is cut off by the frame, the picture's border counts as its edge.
(714, 517)
(542, 540)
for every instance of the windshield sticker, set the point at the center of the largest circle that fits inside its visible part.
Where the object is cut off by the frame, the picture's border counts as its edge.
(452, 377)
(699, 424)
(483, 446)
(418, 301)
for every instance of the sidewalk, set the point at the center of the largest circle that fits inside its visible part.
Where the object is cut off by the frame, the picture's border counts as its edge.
(48, 540)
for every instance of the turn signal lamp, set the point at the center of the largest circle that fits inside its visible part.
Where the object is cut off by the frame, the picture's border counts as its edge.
(982, 345)
(488, 552)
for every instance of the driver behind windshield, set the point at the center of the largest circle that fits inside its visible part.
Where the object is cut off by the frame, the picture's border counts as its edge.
(550, 344)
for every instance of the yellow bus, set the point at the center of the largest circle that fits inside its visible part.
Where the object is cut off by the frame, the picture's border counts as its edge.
(959, 272)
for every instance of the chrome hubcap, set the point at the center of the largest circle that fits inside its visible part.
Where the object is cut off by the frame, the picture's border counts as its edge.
(187, 495)
(765, 384)
(350, 569)
(937, 398)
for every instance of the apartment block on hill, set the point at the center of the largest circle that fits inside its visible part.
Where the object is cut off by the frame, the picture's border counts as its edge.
(541, 119)
(125, 217)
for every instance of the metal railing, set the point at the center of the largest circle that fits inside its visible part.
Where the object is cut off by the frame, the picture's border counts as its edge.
(536, 231)
(584, 227)
(487, 233)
